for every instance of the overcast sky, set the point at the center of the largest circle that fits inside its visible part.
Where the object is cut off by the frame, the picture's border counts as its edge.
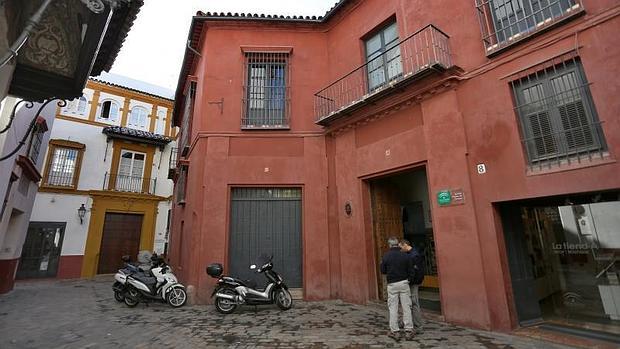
(153, 51)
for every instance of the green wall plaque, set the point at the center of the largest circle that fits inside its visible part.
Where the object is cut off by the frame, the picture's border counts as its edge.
(444, 198)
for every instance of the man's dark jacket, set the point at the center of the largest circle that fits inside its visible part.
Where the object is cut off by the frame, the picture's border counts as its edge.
(396, 265)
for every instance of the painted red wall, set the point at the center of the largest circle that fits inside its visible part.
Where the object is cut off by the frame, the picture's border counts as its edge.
(448, 131)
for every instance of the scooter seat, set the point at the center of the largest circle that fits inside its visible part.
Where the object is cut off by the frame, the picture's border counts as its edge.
(149, 281)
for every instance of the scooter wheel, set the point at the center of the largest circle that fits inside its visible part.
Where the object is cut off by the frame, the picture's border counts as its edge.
(224, 305)
(119, 296)
(131, 299)
(176, 297)
(284, 300)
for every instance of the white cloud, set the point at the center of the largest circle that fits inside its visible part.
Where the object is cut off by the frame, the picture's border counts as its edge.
(153, 51)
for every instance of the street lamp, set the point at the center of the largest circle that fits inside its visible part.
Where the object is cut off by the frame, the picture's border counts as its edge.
(82, 213)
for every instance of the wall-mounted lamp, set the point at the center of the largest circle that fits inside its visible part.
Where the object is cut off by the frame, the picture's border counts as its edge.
(82, 213)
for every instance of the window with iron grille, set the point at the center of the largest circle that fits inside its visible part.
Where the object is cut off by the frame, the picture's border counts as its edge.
(266, 100)
(62, 167)
(180, 185)
(557, 115)
(35, 144)
(186, 123)
(506, 21)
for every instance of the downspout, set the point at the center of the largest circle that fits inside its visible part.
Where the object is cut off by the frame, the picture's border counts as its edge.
(21, 40)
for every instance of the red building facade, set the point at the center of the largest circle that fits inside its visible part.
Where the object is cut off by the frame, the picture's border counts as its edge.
(480, 130)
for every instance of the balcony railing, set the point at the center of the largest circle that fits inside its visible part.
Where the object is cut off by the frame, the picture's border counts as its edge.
(131, 184)
(419, 53)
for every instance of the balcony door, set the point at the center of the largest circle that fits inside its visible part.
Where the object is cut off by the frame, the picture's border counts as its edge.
(383, 57)
(130, 171)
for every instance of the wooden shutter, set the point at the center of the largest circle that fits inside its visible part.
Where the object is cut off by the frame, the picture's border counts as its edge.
(542, 135)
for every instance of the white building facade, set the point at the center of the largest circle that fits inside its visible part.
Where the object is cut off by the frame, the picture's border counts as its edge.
(105, 190)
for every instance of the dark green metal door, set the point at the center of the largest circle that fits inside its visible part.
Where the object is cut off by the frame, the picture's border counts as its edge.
(41, 250)
(266, 221)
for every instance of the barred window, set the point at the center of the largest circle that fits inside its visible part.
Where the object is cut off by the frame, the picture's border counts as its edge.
(506, 21)
(180, 185)
(35, 143)
(62, 168)
(557, 116)
(265, 92)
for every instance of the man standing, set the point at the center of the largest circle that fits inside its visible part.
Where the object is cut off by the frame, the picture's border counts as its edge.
(415, 280)
(397, 267)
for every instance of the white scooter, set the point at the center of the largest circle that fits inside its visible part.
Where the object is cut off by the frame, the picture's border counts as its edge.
(162, 286)
(144, 268)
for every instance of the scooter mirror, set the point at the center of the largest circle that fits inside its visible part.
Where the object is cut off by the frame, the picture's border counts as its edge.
(253, 266)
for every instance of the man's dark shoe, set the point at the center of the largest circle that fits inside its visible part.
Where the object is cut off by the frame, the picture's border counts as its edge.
(394, 335)
(409, 335)
(401, 324)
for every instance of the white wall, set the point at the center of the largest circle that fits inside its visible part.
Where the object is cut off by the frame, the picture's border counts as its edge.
(51, 207)
(14, 221)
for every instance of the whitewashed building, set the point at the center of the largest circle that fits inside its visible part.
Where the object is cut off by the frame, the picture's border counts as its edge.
(105, 190)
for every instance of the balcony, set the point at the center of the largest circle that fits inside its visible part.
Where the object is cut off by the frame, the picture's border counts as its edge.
(129, 184)
(421, 53)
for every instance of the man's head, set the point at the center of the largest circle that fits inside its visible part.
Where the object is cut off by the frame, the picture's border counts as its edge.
(405, 245)
(392, 242)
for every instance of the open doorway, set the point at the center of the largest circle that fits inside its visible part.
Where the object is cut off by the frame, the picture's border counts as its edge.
(400, 207)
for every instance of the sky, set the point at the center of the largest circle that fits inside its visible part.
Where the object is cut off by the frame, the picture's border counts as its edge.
(154, 49)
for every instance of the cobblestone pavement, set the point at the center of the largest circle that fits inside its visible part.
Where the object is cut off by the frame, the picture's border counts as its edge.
(83, 314)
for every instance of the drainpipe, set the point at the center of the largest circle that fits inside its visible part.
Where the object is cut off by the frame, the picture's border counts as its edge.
(21, 40)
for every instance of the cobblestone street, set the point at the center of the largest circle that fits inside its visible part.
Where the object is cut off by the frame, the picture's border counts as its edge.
(83, 314)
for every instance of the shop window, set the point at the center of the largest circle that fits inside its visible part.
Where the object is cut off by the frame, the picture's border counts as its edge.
(557, 114)
(265, 97)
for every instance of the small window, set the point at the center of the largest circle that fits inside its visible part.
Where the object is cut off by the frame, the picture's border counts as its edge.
(557, 114)
(180, 185)
(161, 122)
(109, 111)
(137, 118)
(82, 104)
(35, 144)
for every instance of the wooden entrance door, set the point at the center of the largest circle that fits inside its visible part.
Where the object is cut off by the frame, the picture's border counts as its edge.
(387, 220)
(121, 236)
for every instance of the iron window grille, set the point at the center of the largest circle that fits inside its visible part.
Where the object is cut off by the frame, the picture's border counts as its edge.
(558, 119)
(35, 144)
(62, 168)
(265, 92)
(504, 22)
(180, 185)
(187, 119)
(129, 183)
